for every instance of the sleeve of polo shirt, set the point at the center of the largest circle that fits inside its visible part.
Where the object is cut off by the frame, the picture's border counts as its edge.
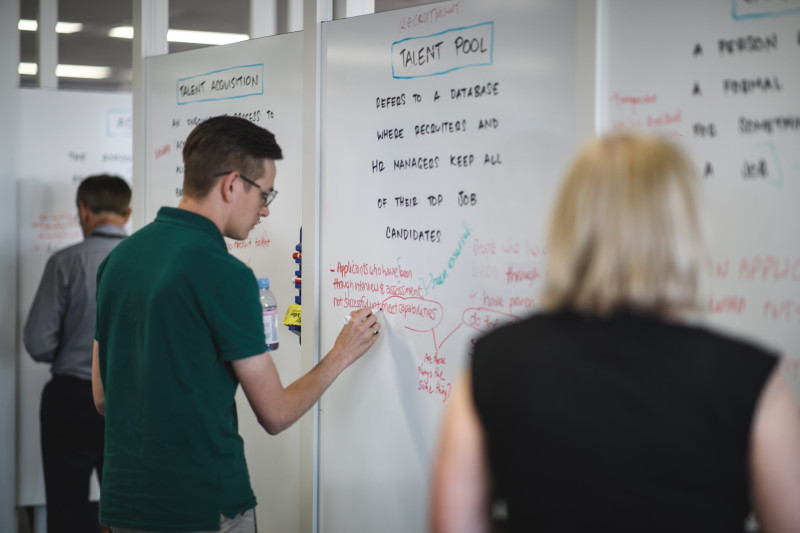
(236, 322)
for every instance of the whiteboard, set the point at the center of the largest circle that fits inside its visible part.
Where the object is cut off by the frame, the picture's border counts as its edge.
(445, 129)
(722, 77)
(260, 80)
(64, 137)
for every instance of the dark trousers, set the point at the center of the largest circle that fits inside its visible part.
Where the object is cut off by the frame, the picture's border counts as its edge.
(72, 446)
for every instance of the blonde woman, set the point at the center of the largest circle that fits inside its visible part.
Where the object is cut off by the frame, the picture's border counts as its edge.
(609, 411)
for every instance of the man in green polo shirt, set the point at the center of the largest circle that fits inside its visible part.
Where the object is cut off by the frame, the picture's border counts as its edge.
(178, 328)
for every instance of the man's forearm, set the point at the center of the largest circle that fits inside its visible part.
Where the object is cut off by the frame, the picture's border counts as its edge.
(97, 385)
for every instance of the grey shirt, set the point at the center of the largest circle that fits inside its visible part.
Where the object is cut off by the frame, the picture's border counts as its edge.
(60, 324)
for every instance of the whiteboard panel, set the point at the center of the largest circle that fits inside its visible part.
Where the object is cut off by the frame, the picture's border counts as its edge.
(260, 80)
(64, 137)
(722, 77)
(445, 131)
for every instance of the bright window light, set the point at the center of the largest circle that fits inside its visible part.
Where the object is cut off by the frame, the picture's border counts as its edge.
(204, 37)
(83, 71)
(186, 36)
(27, 25)
(69, 71)
(121, 32)
(28, 69)
(68, 27)
(61, 27)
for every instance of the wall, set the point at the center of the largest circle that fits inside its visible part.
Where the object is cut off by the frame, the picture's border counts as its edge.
(9, 57)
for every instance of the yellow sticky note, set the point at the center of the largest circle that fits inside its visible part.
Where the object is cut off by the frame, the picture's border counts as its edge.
(292, 317)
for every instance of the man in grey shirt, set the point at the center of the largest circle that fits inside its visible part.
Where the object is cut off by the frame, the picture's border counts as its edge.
(60, 331)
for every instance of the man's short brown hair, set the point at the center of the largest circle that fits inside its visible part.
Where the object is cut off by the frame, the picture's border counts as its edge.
(225, 144)
(104, 193)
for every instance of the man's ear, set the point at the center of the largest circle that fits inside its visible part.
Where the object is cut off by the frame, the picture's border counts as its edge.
(226, 184)
(83, 211)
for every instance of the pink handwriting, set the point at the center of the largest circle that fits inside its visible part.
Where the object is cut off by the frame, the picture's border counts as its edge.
(258, 242)
(483, 248)
(366, 269)
(423, 372)
(727, 304)
(55, 222)
(515, 276)
(347, 302)
(443, 390)
(535, 251)
(783, 310)
(160, 152)
(624, 99)
(664, 119)
(420, 314)
(432, 368)
(484, 319)
(718, 269)
(484, 270)
(521, 302)
(431, 16)
(511, 248)
(769, 268)
(377, 287)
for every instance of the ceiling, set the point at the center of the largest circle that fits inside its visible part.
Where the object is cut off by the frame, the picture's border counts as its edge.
(92, 46)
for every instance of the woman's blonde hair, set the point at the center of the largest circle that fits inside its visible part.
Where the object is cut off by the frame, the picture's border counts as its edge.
(627, 230)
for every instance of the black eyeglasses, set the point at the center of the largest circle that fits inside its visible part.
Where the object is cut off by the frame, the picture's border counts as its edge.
(266, 195)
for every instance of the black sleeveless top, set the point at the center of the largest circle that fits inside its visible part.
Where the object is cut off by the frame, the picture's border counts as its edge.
(626, 423)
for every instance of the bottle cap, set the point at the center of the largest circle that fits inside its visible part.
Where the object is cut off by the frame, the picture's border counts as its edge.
(263, 283)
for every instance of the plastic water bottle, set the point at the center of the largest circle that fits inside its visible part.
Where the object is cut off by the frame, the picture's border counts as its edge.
(269, 313)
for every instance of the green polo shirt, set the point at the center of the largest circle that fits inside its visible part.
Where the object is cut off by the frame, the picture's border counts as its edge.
(173, 309)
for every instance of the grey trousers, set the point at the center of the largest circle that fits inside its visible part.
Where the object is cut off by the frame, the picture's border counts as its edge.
(242, 523)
